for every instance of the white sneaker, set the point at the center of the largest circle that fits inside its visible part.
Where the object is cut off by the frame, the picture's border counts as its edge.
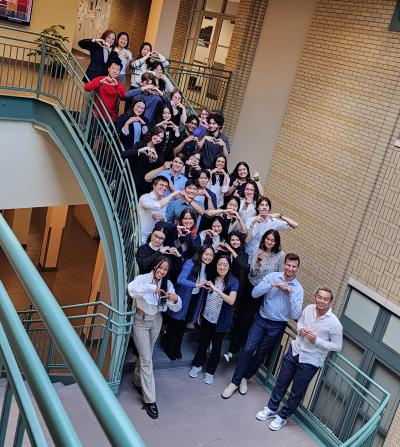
(243, 386)
(277, 423)
(265, 414)
(194, 371)
(229, 390)
(208, 378)
(228, 356)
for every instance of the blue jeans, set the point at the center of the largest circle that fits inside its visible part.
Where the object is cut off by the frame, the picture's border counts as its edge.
(263, 336)
(300, 374)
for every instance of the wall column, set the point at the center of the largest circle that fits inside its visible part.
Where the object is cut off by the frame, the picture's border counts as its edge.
(161, 25)
(55, 223)
(19, 221)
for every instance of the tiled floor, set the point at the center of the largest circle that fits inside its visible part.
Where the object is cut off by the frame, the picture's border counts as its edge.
(193, 414)
(70, 284)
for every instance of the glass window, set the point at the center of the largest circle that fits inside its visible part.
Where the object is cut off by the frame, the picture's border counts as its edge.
(214, 5)
(362, 310)
(392, 333)
(231, 7)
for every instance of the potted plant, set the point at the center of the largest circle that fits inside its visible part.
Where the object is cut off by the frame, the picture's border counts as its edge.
(52, 38)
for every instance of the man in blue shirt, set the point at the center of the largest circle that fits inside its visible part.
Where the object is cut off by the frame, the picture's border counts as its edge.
(283, 300)
(173, 172)
(175, 207)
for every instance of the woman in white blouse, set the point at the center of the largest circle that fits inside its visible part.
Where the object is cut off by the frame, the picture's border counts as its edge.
(153, 293)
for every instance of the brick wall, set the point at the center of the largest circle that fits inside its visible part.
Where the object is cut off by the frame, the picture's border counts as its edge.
(130, 16)
(181, 28)
(83, 215)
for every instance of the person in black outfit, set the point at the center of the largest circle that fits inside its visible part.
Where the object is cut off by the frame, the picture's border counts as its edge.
(132, 126)
(145, 156)
(150, 253)
(101, 54)
(187, 143)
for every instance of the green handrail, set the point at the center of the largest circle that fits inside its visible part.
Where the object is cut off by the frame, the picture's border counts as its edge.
(57, 420)
(104, 404)
(329, 374)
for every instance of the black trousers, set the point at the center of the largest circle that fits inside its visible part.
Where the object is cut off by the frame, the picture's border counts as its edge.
(174, 336)
(209, 334)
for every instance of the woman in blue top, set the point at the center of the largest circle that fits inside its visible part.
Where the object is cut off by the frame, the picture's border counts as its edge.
(216, 315)
(190, 284)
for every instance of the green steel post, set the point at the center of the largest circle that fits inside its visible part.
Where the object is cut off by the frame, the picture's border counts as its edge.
(5, 413)
(59, 424)
(104, 404)
(41, 68)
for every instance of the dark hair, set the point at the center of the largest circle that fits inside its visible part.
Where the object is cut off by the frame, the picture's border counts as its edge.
(292, 257)
(256, 192)
(192, 117)
(133, 105)
(156, 130)
(123, 33)
(193, 215)
(155, 64)
(236, 199)
(181, 157)
(213, 166)
(218, 218)
(160, 109)
(176, 91)
(235, 174)
(242, 238)
(204, 108)
(164, 281)
(324, 289)
(107, 33)
(161, 84)
(217, 117)
(141, 48)
(114, 61)
(263, 199)
(162, 229)
(147, 76)
(204, 171)
(159, 178)
(197, 260)
(277, 247)
(191, 182)
(214, 273)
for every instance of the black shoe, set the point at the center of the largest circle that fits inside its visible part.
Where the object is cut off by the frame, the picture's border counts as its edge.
(151, 410)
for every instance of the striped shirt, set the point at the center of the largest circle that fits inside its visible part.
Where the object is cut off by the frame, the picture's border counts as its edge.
(213, 305)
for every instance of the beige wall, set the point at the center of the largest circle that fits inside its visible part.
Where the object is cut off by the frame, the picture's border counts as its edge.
(278, 52)
(51, 12)
(35, 168)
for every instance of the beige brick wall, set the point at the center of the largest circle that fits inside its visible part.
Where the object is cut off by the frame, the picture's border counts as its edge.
(130, 16)
(83, 215)
(335, 168)
(181, 28)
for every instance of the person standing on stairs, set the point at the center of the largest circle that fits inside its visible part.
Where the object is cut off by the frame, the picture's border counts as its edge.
(152, 293)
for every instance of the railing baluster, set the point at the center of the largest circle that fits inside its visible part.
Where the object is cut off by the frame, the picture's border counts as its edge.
(19, 432)
(5, 413)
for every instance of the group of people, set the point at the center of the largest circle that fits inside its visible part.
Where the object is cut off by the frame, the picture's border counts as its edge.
(211, 255)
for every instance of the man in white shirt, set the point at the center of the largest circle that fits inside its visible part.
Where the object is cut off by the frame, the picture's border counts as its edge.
(152, 206)
(318, 333)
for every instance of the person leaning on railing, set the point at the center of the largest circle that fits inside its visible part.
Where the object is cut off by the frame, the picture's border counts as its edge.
(101, 53)
(318, 332)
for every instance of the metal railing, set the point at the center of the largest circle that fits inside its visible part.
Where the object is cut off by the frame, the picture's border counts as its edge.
(105, 406)
(202, 86)
(98, 326)
(343, 405)
(51, 73)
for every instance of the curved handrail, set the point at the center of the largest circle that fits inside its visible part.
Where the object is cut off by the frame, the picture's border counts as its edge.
(57, 419)
(104, 404)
